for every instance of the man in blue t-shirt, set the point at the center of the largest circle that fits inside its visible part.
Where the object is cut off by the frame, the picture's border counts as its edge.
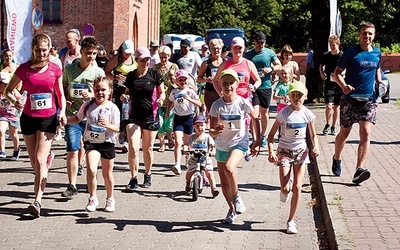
(266, 62)
(358, 104)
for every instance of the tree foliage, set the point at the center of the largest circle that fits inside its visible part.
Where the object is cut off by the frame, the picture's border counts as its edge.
(283, 22)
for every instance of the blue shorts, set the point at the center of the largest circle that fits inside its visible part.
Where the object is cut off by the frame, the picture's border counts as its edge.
(73, 135)
(184, 124)
(223, 156)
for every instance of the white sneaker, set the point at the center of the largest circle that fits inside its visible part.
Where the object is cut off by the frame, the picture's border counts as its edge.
(110, 205)
(284, 197)
(92, 204)
(230, 217)
(292, 227)
(176, 169)
(239, 205)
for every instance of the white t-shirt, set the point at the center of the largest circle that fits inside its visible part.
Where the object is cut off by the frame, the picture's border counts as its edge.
(202, 142)
(232, 115)
(182, 106)
(294, 127)
(191, 63)
(94, 132)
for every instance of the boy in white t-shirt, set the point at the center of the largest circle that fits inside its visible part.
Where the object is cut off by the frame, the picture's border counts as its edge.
(292, 151)
(228, 127)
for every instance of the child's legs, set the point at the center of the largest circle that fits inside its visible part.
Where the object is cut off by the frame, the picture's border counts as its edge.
(3, 128)
(298, 173)
(284, 178)
(133, 133)
(92, 160)
(234, 159)
(14, 135)
(225, 184)
(178, 146)
(107, 171)
(189, 175)
(211, 178)
(148, 138)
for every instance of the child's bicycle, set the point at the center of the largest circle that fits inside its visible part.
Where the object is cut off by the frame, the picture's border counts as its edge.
(197, 181)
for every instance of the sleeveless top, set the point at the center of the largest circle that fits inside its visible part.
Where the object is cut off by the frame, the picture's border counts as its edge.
(123, 68)
(243, 71)
(211, 70)
(68, 59)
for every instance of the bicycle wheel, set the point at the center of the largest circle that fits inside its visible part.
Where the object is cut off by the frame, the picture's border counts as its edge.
(195, 193)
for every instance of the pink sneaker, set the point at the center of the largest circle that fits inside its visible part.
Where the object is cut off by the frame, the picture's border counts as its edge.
(50, 159)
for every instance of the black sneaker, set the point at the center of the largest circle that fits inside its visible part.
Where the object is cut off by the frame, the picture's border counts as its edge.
(333, 130)
(71, 191)
(132, 186)
(147, 180)
(15, 155)
(34, 209)
(326, 129)
(336, 167)
(80, 170)
(361, 175)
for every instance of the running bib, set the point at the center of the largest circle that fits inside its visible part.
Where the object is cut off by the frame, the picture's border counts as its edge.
(179, 98)
(96, 134)
(41, 101)
(296, 130)
(231, 122)
(77, 89)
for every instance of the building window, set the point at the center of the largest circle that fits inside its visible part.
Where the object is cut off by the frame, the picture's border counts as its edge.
(51, 11)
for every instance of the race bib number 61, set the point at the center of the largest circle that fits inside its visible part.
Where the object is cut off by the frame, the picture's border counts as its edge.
(41, 101)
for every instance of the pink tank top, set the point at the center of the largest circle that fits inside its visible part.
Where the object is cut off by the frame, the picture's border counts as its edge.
(243, 71)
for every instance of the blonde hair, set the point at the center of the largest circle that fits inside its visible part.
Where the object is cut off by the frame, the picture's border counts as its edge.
(334, 39)
(165, 50)
(286, 50)
(214, 42)
(36, 40)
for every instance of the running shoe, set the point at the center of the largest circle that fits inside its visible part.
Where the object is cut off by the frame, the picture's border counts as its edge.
(132, 185)
(326, 129)
(34, 209)
(336, 167)
(71, 191)
(16, 154)
(147, 180)
(333, 130)
(92, 204)
(110, 205)
(176, 169)
(2, 154)
(239, 205)
(292, 227)
(80, 170)
(230, 217)
(361, 175)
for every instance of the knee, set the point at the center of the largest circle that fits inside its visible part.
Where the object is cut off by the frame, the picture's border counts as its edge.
(296, 189)
(229, 170)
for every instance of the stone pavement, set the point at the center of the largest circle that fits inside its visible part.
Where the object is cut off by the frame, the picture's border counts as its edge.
(162, 217)
(365, 216)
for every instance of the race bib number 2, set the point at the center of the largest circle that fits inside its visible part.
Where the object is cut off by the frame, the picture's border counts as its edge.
(296, 130)
(41, 101)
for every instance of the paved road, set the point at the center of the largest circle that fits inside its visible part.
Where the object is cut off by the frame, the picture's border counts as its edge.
(161, 217)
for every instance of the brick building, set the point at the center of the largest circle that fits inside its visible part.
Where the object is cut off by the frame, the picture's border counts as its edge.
(114, 20)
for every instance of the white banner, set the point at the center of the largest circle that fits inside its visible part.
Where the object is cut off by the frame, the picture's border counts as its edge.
(19, 29)
(333, 15)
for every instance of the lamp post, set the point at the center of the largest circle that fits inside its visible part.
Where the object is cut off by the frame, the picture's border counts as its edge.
(2, 19)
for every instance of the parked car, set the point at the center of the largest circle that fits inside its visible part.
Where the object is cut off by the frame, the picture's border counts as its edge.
(226, 34)
(175, 39)
(386, 97)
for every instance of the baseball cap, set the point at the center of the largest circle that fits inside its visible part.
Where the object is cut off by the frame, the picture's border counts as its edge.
(154, 43)
(237, 41)
(142, 52)
(298, 86)
(260, 37)
(230, 72)
(5, 77)
(185, 43)
(199, 118)
(128, 47)
(182, 73)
